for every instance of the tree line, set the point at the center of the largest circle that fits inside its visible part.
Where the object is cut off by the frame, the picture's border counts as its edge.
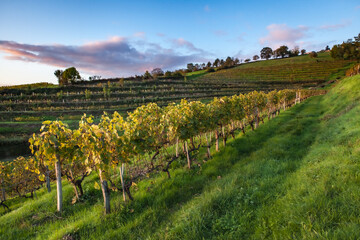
(349, 50)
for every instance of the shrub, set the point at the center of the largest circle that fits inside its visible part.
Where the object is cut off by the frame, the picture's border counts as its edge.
(313, 54)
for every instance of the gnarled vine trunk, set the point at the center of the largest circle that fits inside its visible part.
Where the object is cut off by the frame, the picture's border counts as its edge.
(105, 192)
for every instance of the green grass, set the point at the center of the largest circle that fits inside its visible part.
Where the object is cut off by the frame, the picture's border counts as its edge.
(283, 73)
(295, 177)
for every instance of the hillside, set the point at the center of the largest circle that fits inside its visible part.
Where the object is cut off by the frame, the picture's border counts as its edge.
(22, 110)
(295, 72)
(295, 177)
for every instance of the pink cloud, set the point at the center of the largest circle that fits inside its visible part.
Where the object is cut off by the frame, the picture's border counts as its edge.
(220, 33)
(207, 8)
(335, 27)
(139, 34)
(280, 34)
(112, 57)
(182, 43)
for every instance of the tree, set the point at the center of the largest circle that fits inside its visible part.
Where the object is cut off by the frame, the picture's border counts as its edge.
(147, 75)
(256, 57)
(167, 74)
(216, 62)
(282, 51)
(266, 53)
(95, 77)
(236, 61)
(247, 60)
(190, 67)
(327, 48)
(295, 51)
(347, 50)
(58, 73)
(303, 51)
(313, 54)
(208, 65)
(157, 72)
(70, 75)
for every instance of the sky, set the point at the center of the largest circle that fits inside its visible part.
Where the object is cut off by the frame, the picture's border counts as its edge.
(122, 38)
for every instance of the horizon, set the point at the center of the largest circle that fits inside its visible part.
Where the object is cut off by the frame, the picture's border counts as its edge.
(114, 39)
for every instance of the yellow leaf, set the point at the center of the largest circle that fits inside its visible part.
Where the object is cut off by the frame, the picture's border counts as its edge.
(96, 185)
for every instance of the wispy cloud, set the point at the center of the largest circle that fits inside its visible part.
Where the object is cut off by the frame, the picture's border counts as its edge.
(282, 34)
(334, 27)
(139, 34)
(220, 33)
(160, 34)
(207, 8)
(182, 43)
(112, 57)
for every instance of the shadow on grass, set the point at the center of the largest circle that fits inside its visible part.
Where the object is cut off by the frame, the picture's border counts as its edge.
(195, 203)
(283, 141)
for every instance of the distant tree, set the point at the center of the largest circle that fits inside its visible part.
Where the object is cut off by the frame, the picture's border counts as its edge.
(303, 51)
(357, 38)
(247, 60)
(327, 48)
(222, 62)
(256, 57)
(229, 62)
(208, 65)
(266, 53)
(190, 67)
(216, 62)
(210, 69)
(70, 75)
(282, 51)
(203, 65)
(347, 50)
(313, 54)
(58, 73)
(177, 74)
(196, 67)
(157, 72)
(236, 61)
(167, 74)
(95, 77)
(147, 75)
(294, 52)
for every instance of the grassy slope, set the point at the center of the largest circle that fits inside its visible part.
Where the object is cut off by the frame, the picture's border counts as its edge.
(296, 176)
(297, 62)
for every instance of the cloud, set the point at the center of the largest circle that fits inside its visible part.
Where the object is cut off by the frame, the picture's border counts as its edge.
(139, 34)
(220, 33)
(207, 8)
(357, 7)
(182, 43)
(280, 34)
(335, 27)
(160, 34)
(112, 57)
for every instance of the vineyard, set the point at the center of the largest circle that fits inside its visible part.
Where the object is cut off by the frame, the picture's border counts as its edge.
(260, 183)
(142, 141)
(301, 71)
(23, 109)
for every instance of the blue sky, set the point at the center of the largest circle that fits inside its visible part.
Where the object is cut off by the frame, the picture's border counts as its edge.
(121, 38)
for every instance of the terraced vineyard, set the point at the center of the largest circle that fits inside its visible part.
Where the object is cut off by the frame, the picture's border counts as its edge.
(299, 71)
(22, 110)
